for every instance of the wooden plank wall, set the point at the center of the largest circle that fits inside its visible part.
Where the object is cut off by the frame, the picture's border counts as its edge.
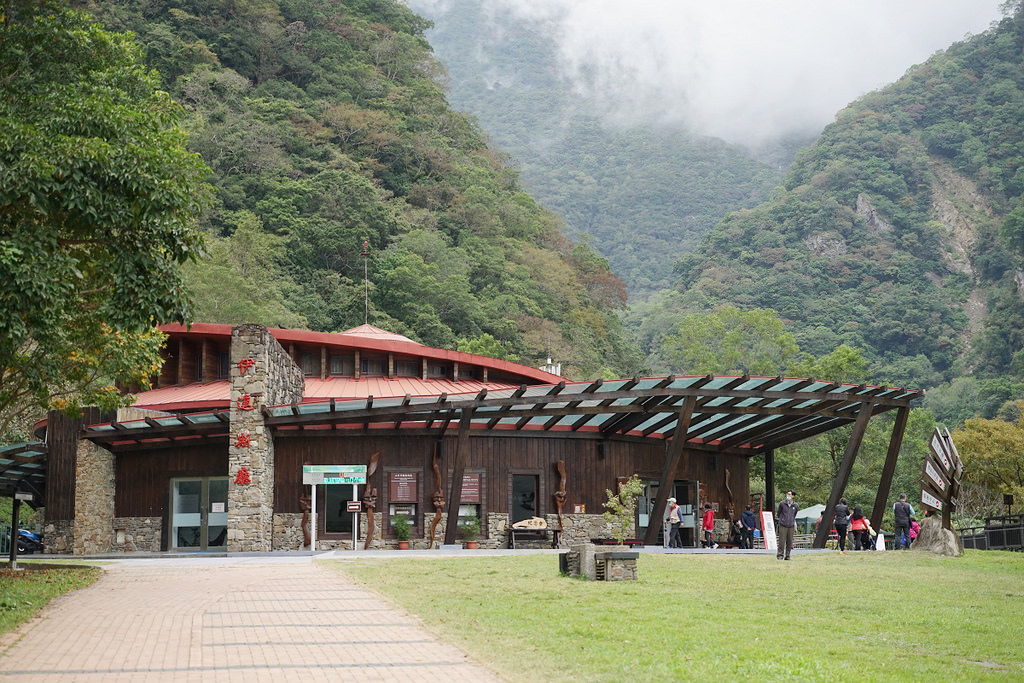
(62, 461)
(143, 478)
(499, 458)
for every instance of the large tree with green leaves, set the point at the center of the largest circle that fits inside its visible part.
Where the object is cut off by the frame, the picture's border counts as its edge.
(731, 341)
(97, 200)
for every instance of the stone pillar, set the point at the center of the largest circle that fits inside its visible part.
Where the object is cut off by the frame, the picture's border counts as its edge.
(262, 374)
(94, 499)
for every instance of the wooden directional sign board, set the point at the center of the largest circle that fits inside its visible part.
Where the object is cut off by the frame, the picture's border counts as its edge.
(940, 476)
(931, 501)
(333, 474)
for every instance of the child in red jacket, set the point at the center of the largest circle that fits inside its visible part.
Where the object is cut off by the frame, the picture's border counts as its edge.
(708, 525)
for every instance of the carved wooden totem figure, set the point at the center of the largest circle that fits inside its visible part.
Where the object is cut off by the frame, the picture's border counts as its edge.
(560, 495)
(729, 508)
(437, 498)
(305, 504)
(370, 498)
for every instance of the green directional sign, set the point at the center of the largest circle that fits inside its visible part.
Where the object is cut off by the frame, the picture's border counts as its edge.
(333, 474)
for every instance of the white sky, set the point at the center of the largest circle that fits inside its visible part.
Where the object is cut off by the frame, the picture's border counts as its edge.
(743, 70)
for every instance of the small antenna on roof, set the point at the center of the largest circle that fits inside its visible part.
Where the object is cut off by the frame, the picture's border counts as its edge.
(366, 283)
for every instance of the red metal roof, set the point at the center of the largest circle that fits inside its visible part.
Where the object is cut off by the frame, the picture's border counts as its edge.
(218, 394)
(369, 338)
(189, 397)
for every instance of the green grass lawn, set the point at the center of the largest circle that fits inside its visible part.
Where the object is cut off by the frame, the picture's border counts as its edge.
(824, 616)
(25, 592)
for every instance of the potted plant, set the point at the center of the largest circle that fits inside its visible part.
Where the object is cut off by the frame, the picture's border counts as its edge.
(402, 527)
(471, 531)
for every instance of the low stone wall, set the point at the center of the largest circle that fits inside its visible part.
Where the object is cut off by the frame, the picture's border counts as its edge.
(137, 534)
(578, 529)
(58, 536)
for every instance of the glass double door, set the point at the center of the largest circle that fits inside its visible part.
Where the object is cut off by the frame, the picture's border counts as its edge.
(199, 513)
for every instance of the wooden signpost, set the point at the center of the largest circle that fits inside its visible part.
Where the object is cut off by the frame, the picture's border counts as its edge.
(940, 476)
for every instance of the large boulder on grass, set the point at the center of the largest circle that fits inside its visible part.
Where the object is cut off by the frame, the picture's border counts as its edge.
(934, 539)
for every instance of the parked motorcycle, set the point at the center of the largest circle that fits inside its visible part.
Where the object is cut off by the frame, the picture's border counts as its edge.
(28, 542)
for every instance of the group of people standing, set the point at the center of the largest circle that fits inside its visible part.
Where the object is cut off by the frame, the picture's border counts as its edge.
(847, 522)
(742, 533)
(855, 523)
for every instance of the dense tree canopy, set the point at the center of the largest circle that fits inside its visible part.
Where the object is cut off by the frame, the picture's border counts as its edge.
(97, 202)
(326, 127)
(993, 454)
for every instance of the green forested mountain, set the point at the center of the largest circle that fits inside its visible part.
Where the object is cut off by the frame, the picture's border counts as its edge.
(325, 126)
(643, 195)
(900, 231)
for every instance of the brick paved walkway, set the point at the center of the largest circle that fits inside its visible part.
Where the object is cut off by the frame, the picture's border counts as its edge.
(227, 621)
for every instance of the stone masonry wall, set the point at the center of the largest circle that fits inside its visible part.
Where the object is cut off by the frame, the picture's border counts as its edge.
(262, 374)
(94, 499)
(137, 534)
(58, 536)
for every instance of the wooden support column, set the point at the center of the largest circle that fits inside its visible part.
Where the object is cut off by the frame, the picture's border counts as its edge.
(668, 474)
(889, 469)
(451, 529)
(769, 480)
(358, 371)
(323, 362)
(843, 475)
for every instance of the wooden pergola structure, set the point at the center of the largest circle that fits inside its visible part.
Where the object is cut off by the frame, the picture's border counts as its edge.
(744, 415)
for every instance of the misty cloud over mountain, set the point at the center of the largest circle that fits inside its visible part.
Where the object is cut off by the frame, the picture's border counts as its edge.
(746, 72)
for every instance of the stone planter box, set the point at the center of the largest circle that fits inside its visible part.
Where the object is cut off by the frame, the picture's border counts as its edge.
(609, 565)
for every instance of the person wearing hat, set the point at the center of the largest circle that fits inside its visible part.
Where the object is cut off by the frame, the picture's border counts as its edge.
(675, 520)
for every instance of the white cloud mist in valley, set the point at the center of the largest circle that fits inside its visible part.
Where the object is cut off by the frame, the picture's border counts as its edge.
(747, 71)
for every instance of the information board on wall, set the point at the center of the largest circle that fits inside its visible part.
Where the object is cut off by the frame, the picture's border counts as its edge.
(471, 487)
(403, 487)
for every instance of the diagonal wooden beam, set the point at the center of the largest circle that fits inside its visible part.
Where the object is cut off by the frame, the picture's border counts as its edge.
(889, 469)
(572, 405)
(505, 409)
(451, 528)
(675, 453)
(398, 420)
(845, 467)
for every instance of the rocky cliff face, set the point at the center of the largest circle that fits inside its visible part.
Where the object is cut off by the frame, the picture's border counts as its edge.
(962, 211)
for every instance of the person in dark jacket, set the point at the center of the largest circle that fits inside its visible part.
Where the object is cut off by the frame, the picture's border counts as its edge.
(786, 515)
(842, 523)
(749, 522)
(902, 512)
